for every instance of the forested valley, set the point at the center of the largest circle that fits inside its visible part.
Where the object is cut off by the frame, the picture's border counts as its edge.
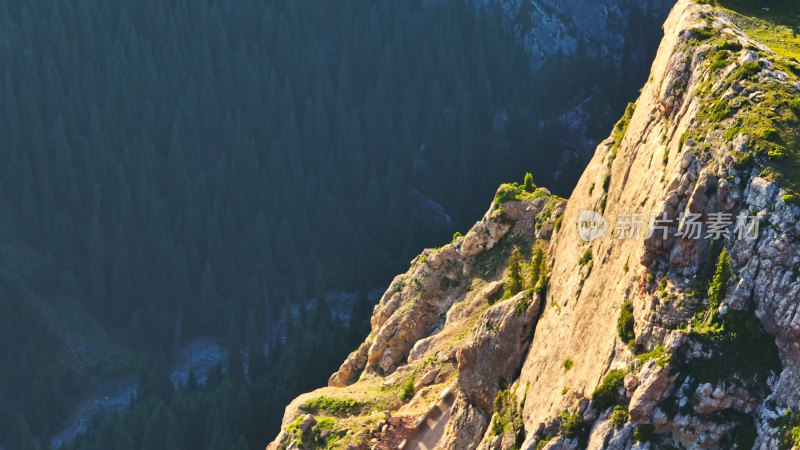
(174, 169)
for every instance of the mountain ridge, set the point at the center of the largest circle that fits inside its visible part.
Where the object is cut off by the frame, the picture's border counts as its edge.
(713, 319)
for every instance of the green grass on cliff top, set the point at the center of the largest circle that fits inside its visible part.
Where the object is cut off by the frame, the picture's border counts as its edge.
(775, 23)
(773, 124)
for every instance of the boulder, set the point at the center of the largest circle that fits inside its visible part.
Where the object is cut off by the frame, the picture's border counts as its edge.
(653, 383)
(307, 422)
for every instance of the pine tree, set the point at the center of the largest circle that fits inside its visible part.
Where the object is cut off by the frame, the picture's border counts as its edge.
(719, 286)
(514, 285)
(536, 267)
(528, 183)
(544, 276)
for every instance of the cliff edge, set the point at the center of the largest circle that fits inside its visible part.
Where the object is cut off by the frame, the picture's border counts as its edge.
(656, 306)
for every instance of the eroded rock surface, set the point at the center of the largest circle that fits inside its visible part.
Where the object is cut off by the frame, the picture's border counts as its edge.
(710, 357)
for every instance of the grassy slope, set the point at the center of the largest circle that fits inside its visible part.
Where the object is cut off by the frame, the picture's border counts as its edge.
(776, 25)
(772, 124)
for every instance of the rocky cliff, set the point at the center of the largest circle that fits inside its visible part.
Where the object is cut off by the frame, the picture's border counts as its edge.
(670, 322)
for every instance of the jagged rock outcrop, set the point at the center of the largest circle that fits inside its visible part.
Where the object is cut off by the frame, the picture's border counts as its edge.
(683, 337)
(500, 341)
(443, 326)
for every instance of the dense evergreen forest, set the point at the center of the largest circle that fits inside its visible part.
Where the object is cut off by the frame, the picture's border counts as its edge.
(176, 168)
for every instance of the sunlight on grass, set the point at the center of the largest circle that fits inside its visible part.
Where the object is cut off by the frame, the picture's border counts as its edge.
(774, 24)
(773, 124)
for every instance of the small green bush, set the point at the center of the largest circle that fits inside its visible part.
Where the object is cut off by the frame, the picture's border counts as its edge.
(791, 199)
(522, 305)
(619, 417)
(770, 134)
(788, 426)
(716, 66)
(542, 440)
(586, 257)
(794, 69)
(607, 394)
(741, 349)
(625, 323)
(657, 353)
(702, 34)
(662, 285)
(644, 433)
(528, 185)
(683, 138)
(720, 109)
(733, 131)
(542, 286)
(573, 426)
(732, 46)
(747, 71)
(507, 193)
(777, 153)
(513, 191)
(508, 417)
(794, 105)
(407, 391)
(743, 160)
(567, 364)
(538, 267)
(332, 405)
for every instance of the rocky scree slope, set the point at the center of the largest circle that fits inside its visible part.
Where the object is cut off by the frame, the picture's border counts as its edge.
(655, 340)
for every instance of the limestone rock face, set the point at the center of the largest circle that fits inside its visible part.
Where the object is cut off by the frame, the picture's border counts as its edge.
(352, 367)
(461, 365)
(495, 349)
(466, 423)
(654, 381)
